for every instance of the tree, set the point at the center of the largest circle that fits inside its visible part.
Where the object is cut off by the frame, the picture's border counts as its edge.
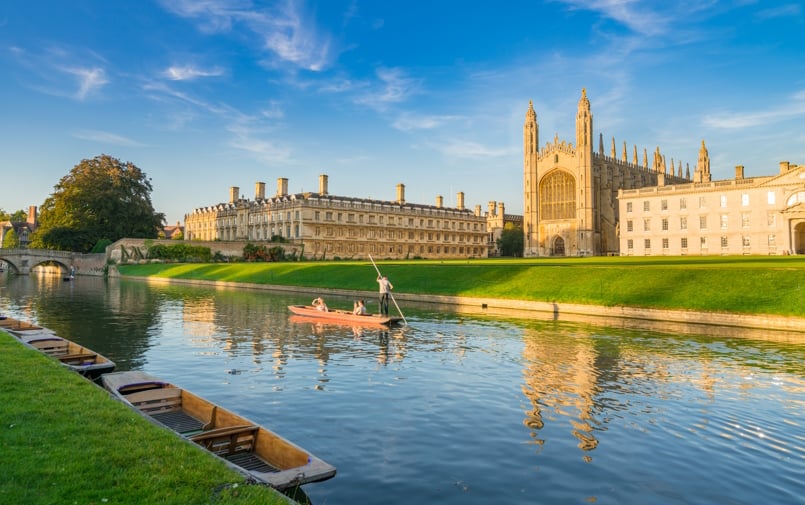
(19, 216)
(11, 240)
(100, 198)
(511, 241)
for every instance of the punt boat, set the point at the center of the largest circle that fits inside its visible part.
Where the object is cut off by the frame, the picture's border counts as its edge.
(78, 358)
(311, 313)
(253, 449)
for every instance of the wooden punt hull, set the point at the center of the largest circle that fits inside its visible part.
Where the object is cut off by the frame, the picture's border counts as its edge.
(78, 358)
(253, 449)
(342, 316)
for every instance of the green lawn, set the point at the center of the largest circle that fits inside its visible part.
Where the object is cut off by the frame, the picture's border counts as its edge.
(64, 440)
(742, 284)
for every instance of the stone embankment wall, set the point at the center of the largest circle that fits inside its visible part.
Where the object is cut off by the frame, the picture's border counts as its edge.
(132, 250)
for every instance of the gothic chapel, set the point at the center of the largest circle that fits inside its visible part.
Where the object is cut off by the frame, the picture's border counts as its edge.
(571, 192)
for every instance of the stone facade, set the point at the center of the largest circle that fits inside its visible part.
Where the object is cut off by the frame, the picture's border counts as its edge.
(327, 225)
(496, 221)
(571, 191)
(23, 229)
(757, 215)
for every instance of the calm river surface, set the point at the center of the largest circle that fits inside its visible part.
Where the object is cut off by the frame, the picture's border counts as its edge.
(457, 409)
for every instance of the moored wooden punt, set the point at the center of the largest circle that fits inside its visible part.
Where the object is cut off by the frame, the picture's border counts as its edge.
(78, 358)
(253, 449)
(9, 323)
(343, 316)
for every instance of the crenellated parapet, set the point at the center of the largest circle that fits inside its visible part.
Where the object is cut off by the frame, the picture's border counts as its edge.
(556, 146)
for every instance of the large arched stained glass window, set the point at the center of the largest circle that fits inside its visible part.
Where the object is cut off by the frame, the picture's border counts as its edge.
(557, 196)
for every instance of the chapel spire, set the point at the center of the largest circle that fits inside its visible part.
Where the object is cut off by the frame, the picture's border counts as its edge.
(702, 173)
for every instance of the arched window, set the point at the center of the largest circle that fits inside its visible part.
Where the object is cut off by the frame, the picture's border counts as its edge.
(795, 198)
(557, 196)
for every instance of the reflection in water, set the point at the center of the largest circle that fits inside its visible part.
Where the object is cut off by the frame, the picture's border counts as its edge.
(435, 411)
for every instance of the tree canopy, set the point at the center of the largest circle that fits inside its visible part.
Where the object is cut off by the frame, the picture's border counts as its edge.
(101, 198)
(16, 217)
(11, 240)
(511, 241)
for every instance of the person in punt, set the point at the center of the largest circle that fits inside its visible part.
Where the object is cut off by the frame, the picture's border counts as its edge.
(360, 308)
(319, 304)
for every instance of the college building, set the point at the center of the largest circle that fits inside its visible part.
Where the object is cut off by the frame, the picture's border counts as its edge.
(579, 202)
(744, 215)
(328, 226)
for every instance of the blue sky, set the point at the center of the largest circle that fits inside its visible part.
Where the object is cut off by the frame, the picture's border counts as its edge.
(207, 94)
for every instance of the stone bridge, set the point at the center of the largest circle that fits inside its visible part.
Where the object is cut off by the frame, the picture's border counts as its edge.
(22, 261)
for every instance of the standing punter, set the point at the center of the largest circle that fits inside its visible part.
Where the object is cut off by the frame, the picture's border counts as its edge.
(385, 290)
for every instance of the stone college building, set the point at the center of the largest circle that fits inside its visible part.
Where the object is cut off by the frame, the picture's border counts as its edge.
(328, 226)
(579, 202)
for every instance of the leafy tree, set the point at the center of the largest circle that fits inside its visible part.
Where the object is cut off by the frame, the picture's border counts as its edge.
(100, 198)
(101, 245)
(11, 240)
(19, 216)
(511, 241)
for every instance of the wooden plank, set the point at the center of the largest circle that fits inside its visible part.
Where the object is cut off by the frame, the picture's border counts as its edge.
(156, 400)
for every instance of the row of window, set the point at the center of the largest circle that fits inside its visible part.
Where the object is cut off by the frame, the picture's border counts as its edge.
(373, 248)
(703, 243)
(771, 221)
(683, 204)
(399, 221)
(372, 233)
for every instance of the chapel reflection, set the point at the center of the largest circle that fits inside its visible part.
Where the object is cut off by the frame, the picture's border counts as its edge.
(561, 382)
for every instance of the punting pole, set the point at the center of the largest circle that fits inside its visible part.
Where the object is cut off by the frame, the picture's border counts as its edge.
(390, 293)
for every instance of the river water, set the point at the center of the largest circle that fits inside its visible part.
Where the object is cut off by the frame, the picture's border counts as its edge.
(459, 409)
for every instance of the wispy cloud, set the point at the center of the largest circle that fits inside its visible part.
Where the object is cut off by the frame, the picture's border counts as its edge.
(248, 139)
(188, 72)
(50, 67)
(788, 10)
(733, 120)
(408, 121)
(89, 80)
(394, 86)
(106, 138)
(465, 149)
(285, 30)
(640, 17)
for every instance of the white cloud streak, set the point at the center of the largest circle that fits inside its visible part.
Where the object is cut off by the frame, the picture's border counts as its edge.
(106, 138)
(188, 72)
(395, 87)
(283, 30)
(734, 120)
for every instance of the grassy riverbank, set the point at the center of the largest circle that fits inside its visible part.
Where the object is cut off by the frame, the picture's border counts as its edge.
(746, 285)
(66, 441)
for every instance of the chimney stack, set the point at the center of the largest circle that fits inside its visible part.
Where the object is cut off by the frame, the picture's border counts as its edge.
(439, 201)
(260, 191)
(282, 186)
(234, 191)
(784, 167)
(460, 200)
(32, 215)
(739, 171)
(401, 193)
(323, 184)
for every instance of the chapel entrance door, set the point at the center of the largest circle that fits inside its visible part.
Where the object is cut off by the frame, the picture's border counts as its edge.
(558, 247)
(799, 238)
